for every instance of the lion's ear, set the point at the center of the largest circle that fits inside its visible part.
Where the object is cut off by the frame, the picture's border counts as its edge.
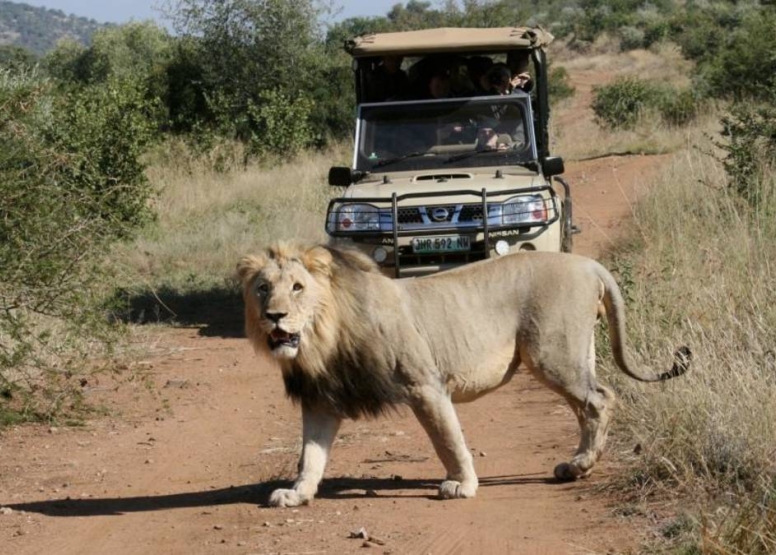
(318, 260)
(249, 266)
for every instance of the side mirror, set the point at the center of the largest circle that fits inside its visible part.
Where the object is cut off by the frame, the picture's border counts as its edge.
(340, 176)
(552, 165)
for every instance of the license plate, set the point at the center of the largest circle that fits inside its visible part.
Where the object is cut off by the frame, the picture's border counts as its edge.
(456, 243)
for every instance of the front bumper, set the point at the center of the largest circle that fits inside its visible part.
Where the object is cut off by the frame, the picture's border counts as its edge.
(393, 247)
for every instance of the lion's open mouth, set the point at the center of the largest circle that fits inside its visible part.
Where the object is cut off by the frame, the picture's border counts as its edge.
(279, 338)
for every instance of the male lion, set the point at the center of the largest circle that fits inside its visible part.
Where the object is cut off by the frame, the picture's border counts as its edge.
(352, 342)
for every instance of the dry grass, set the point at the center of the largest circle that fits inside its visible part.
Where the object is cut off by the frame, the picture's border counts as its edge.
(664, 62)
(208, 219)
(698, 270)
(573, 130)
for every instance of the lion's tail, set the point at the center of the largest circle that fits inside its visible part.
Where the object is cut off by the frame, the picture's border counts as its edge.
(615, 315)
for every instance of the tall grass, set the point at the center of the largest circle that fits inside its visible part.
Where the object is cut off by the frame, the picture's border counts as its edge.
(699, 270)
(212, 209)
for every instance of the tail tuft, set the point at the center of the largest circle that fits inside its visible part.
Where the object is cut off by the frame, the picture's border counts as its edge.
(682, 359)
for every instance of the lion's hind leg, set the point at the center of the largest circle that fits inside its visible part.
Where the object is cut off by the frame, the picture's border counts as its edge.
(593, 413)
(573, 377)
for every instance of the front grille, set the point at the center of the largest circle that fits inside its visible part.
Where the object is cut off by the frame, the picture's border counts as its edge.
(410, 215)
(441, 214)
(471, 213)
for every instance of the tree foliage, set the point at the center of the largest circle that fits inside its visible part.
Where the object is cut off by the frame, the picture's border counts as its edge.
(245, 51)
(750, 146)
(16, 57)
(71, 183)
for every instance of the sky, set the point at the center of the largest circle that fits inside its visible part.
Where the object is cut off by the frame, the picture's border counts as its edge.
(121, 11)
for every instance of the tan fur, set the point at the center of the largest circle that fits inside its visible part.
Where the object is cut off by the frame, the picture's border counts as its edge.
(351, 342)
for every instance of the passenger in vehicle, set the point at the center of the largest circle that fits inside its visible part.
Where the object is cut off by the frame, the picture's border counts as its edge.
(518, 64)
(439, 85)
(388, 81)
(433, 83)
(489, 139)
(434, 77)
(498, 80)
(476, 68)
(522, 81)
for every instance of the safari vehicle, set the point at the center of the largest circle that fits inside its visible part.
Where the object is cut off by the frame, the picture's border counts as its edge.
(440, 182)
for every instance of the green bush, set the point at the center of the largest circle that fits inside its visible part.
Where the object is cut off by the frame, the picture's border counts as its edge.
(745, 64)
(656, 31)
(621, 104)
(679, 108)
(16, 57)
(750, 147)
(631, 38)
(560, 86)
(70, 185)
(102, 131)
(280, 123)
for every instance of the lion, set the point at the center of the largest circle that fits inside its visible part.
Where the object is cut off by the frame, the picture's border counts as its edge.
(353, 343)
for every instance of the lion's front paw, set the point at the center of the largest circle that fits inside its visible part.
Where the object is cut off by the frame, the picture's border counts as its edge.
(287, 498)
(452, 489)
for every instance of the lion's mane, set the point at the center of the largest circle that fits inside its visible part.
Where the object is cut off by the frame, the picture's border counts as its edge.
(338, 367)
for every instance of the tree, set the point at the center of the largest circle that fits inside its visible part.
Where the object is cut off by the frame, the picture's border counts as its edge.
(248, 52)
(71, 184)
(16, 57)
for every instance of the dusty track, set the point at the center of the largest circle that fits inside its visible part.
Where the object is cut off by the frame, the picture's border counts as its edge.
(187, 470)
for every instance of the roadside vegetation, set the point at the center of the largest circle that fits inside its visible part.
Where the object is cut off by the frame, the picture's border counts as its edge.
(697, 269)
(136, 170)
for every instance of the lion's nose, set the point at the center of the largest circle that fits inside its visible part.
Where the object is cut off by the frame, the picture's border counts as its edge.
(276, 316)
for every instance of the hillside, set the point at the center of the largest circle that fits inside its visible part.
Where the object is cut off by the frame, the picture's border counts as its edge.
(39, 29)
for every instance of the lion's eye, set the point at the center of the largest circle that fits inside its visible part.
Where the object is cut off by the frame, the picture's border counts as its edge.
(298, 287)
(262, 288)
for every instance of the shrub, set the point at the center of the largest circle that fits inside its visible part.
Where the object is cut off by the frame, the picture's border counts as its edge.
(101, 133)
(631, 38)
(70, 184)
(745, 64)
(560, 86)
(620, 104)
(679, 107)
(656, 31)
(280, 123)
(750, 147)
(16, 57)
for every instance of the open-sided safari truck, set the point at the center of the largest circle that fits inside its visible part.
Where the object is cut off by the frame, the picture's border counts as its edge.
(447, 171)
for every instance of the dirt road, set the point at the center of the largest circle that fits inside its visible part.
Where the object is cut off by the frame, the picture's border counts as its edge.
(185, 459)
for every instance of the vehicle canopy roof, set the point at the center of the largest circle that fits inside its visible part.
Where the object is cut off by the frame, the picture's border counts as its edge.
(448, 40)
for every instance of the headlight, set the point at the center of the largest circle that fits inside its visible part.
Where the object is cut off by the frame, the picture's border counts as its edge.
(525, 209)
(354, 217)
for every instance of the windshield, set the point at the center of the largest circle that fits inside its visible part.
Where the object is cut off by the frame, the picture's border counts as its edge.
(440, 134)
